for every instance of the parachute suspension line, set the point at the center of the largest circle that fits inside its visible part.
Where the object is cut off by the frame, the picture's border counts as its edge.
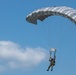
(47, 41)
(41, 35)
(49, 35)
(65, 37)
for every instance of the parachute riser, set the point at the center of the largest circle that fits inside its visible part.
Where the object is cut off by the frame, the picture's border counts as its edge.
(52, 53)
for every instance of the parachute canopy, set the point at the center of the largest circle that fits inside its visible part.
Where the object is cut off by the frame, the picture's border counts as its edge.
(43, 13)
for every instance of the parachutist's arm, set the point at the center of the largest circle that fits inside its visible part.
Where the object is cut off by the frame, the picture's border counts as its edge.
(50, 58)
(55, 55)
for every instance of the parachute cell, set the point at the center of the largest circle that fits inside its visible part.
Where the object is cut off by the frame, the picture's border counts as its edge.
(43, 13)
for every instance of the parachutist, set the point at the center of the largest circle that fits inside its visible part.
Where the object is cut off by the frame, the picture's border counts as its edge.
(52, 62)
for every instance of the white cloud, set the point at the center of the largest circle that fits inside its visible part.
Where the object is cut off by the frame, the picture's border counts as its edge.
(13, 56)
(2, 68)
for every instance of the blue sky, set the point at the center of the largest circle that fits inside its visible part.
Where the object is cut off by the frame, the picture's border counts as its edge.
(24, 47)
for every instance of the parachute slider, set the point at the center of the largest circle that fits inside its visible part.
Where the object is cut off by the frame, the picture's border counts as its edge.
(53, 49)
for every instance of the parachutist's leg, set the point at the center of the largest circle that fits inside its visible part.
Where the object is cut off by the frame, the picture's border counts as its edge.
(51, 68)
(48, 68)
